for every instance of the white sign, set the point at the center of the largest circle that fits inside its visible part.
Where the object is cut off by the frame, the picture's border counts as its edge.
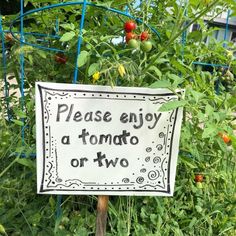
(105, 141)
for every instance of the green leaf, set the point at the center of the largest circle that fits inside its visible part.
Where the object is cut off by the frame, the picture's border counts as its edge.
(82, 58)
(70, 26)
(2, 229)
(41, 54)
(177, 80)
(67, 36)
(172, 105)
(209, 110)
(161, 84)
(189, 162)
(93, 68)
(179, 66)
(161, 61)
(156, 70)
(233, 140)
(193, 222)
(197, 95)
(18, 122)
(198, 208)
(20, 113)
(26, 162)
(210, 131)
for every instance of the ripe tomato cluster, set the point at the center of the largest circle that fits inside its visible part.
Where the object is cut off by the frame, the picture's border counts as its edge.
(133, 40)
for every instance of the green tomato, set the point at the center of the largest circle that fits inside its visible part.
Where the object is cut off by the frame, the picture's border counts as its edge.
(133, 43)
(146, 46)
(4, 144)
(6, 133)
(199, 185)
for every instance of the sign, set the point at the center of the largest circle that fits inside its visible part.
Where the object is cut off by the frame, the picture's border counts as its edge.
(105, 141)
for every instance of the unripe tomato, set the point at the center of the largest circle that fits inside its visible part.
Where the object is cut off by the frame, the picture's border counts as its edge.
(229, 74)
(198, 178)
(6, 133)
(60, 58)
(4, 144)
(144, 36)
(129, 36)
(129, 26)
(199, 185)
(146, 46)
(133, 43)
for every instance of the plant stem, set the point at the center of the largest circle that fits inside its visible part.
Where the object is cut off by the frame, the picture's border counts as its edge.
(9, 166)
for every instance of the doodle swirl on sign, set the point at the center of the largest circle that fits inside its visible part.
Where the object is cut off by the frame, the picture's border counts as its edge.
(156, 160)
(148, 149)
(153, 175)
(125, 180)
(147, 159)
(143, 170)
(159, 147)
(140, 180)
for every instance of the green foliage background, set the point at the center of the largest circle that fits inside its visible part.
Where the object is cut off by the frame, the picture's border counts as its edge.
(209, 209)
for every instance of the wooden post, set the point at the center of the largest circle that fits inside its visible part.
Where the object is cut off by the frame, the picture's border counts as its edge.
(101, 221)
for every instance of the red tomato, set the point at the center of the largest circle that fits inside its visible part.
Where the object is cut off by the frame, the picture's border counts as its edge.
(129, 36)
(129, 26)
(225, 138)
(144, 36)
(198, 178)
(60, 58)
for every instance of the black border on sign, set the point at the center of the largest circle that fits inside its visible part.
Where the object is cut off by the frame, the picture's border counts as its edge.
(40, 88)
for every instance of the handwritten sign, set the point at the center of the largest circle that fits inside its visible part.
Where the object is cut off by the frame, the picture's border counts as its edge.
(103, 140)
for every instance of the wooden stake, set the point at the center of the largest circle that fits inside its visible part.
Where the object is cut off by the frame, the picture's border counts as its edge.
(101, 221)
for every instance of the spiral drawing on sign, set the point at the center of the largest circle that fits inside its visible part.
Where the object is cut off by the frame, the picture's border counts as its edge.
(140, 180)
(143, 170)
(125, 180)
(153, 174)
(156, 160)
(147, 159)
(58, 180)
(148, 149)
(159, 147)
(161, 135)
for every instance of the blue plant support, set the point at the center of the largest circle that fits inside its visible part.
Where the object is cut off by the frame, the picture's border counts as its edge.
(4, 65)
